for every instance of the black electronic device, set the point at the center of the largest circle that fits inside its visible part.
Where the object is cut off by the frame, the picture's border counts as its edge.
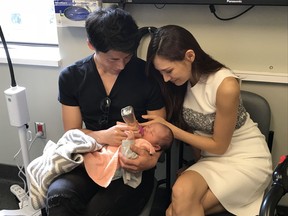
(204, 2)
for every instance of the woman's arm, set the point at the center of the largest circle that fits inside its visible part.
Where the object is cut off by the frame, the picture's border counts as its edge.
(227, 102)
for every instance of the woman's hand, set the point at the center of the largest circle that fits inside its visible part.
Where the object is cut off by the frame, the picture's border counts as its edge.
(144, 161)
(153, 119)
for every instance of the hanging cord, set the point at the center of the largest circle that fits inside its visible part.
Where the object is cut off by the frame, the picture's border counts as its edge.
(13, 81)
(146, 30)
(21, 172)
(159, 6)
(213, 10)
(143, 31)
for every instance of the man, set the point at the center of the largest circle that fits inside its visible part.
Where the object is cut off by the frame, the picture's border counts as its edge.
(93, 91)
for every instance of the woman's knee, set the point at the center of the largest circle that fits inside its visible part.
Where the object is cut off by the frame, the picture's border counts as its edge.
(189, 185)
(182, 185)
(178, 189)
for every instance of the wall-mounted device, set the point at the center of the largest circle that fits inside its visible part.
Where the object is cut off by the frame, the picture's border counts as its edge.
(74, 12)
(204, 2)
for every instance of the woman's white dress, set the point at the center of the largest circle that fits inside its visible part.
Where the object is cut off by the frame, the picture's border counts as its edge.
(239, 177)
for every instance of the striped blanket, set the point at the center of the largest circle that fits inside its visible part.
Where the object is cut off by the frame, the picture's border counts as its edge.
(57, 158)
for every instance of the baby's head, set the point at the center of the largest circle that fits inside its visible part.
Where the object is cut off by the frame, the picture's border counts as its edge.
(159, 135)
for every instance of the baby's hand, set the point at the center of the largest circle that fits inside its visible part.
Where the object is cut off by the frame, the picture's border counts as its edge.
(130, 135)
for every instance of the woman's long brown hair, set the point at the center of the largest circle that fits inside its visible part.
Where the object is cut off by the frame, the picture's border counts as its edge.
(171, 42)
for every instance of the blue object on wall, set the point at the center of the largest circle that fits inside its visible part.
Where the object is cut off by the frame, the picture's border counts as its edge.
(76, 13)
(61, 5)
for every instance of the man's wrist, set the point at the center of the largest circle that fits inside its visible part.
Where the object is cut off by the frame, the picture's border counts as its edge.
(97, 136)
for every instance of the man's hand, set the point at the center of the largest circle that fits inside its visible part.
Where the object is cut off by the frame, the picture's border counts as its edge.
(112, 136)
(136, 129)
(144, 161)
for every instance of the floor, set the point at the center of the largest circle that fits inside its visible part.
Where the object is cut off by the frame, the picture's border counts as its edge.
(8, 176)
(7, 199)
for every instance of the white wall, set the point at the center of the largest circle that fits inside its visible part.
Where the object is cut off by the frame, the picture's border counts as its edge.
(256, 41)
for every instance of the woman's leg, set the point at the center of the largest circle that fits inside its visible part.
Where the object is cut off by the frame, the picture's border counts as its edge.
(211, 204)
(191, 196)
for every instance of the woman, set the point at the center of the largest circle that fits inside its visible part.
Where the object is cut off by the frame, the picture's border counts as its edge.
(235, 164)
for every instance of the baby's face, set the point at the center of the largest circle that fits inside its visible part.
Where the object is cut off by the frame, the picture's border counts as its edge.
(152, 133)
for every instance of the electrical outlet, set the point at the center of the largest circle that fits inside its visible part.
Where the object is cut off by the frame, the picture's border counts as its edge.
(40, 127)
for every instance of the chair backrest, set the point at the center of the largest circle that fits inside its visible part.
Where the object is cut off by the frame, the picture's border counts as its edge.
(260, 112)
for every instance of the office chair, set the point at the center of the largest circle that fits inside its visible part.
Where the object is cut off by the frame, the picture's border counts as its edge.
(278, 189)
(259, 110)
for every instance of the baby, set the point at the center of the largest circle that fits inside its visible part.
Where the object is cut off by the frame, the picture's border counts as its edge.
(102, 166)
